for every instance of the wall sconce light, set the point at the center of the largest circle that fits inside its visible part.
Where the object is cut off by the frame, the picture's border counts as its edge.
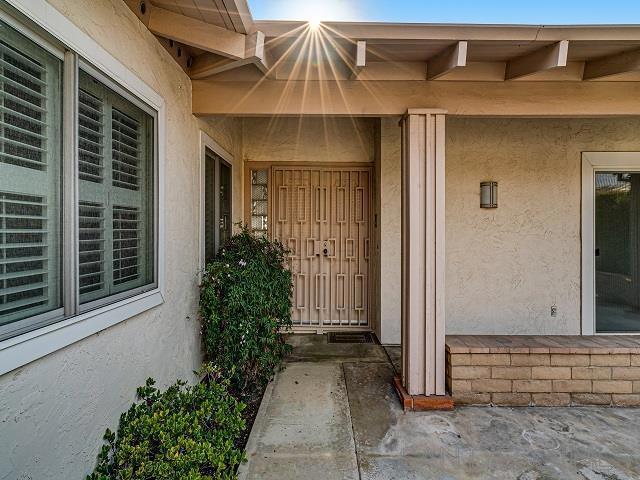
(488, 194)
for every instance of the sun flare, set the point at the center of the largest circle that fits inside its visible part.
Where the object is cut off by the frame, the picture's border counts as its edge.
(315, 12)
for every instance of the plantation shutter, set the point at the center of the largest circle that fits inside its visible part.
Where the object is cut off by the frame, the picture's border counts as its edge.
(30, 179)
(116, 193)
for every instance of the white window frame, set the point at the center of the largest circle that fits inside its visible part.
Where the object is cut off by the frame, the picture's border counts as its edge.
(206, 142)
(27, 347)
(593, 162)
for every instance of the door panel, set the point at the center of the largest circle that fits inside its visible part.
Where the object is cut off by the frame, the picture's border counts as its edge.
(617, 253)
(322, 215)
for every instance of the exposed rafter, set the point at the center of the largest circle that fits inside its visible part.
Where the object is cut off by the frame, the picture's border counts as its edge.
(449, 60)
(360, 59)
(612, 65)
(204, 47)
(207, 65)
(547, 58)
(197, 33)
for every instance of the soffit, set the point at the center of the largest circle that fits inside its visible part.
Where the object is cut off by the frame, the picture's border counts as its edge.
(221, 13)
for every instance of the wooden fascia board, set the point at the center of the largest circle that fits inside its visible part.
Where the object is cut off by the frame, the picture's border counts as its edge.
(452, 58)
(551, 56)
(612, 65)
(395, 31)
(196, 33)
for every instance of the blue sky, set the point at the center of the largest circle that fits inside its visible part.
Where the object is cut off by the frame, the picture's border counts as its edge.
(452, 11)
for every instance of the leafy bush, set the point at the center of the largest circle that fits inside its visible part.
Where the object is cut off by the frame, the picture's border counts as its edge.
(245, 302)
(184, 432)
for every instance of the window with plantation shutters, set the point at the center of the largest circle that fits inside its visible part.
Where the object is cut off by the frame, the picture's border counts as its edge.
(30, 173)
(116, 192)
(77, 186)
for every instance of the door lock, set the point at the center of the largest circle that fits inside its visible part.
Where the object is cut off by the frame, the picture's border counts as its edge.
(325, 252)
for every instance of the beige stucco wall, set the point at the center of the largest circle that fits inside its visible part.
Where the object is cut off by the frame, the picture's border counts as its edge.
(506, 267)
(310, 139)
(53, 412)
(390, 227)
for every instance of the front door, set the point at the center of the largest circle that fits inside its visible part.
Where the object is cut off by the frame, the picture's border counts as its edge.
(322, 215)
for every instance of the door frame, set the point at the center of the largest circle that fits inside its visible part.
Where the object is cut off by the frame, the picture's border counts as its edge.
(373, 253)
(593, 162)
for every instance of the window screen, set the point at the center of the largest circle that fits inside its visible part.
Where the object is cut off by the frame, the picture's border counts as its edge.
(116, 192)
(30, 180)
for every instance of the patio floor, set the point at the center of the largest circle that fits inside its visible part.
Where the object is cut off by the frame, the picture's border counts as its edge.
(332, 414)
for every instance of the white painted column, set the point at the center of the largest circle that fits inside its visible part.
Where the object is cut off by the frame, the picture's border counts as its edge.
(423, 254)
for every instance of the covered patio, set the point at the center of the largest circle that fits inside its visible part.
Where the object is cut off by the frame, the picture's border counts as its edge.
(332, 413)
(363, 147)
(514, 105)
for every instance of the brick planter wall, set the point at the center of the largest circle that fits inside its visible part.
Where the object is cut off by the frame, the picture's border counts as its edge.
(513, 378)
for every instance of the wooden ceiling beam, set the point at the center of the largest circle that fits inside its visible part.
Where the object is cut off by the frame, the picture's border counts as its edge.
(207, 65)
(547, 58)
(612, 65)
(447, 61)
(378, 98)
(197, 33)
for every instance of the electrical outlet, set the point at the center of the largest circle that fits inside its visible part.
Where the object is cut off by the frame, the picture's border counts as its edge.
(554, 311)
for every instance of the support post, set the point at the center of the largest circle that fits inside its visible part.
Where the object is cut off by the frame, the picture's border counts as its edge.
(423, 254)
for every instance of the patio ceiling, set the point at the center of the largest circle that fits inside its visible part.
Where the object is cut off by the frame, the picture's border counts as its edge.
(218, 40)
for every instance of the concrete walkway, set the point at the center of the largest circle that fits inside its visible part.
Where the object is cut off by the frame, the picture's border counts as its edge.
(332, 414)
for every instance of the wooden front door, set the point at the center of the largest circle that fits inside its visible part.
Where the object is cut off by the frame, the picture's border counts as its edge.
(323, 216)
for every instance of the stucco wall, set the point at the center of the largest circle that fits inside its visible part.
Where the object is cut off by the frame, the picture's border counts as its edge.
(53, 412)
(506, 267)
(390, 228)
(310, 139)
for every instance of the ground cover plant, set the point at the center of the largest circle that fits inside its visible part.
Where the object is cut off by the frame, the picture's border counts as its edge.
(184, 432)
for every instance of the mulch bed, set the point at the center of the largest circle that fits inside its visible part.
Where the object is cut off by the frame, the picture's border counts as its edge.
(252, 401)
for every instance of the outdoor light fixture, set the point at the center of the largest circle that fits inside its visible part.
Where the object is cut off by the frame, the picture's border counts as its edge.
(488, 194)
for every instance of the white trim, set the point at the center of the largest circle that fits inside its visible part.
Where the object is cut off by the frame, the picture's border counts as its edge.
(18, 351)
(207, 142)
(24, 29)
(54, 22)
(22, 349)
(591, 163)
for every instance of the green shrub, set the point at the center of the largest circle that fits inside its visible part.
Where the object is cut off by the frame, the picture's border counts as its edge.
(245, 303)
(185, 432)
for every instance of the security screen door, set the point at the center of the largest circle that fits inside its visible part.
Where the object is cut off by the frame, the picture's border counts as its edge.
(322, 215)
(617, 252)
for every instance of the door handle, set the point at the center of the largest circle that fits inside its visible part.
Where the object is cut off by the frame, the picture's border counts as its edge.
(597, 252)
(325, 252)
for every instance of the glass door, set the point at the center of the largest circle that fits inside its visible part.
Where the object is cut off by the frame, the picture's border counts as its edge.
(217, 207)
(617, 252)
(224, 196)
